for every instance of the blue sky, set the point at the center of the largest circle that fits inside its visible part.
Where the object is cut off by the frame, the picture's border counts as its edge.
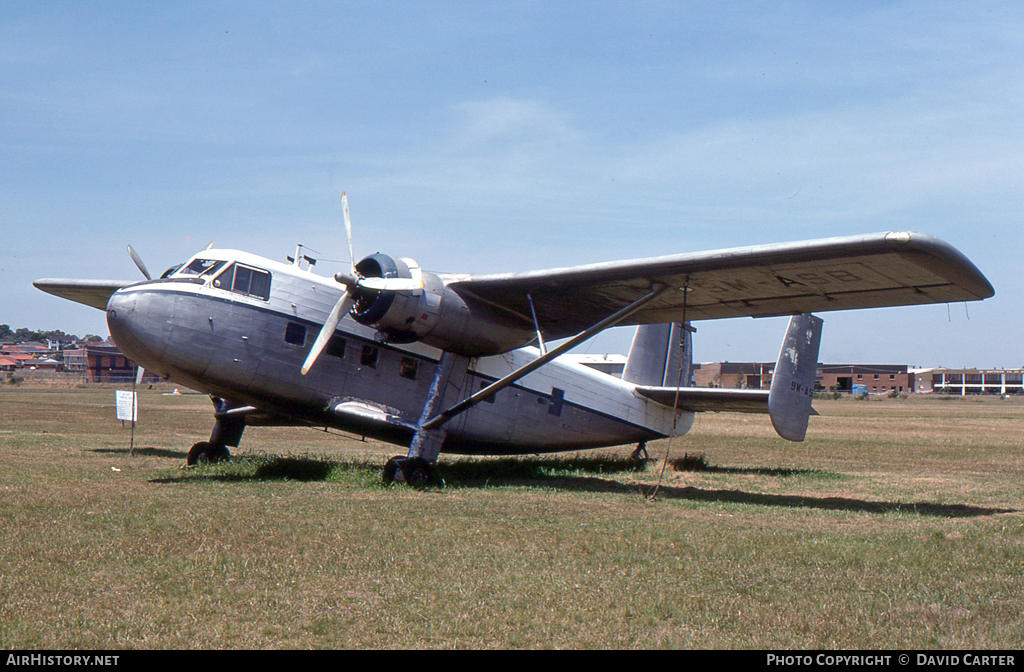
(492, 136)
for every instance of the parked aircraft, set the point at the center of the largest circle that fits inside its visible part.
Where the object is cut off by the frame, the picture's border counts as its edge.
(460, 363)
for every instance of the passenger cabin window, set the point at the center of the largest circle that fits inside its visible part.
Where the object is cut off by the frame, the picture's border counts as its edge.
(369, 356)
(407, 368)
(246, 280)
(557, 399)
(336, 347)
(295, 334)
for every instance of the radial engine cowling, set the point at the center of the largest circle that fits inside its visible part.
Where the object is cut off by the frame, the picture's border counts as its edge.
(434, 315)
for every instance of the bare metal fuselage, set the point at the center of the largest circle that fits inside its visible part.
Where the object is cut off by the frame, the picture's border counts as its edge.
(249, 350)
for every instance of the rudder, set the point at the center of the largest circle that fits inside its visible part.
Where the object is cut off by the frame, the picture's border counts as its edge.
(792, 390)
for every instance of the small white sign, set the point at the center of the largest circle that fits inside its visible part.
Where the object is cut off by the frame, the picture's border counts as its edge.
(127, 405)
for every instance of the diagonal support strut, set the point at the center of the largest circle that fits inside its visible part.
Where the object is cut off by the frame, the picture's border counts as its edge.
(610, 321)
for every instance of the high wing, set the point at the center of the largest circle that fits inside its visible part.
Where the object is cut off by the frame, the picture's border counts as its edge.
(93, 293)
(869, 271)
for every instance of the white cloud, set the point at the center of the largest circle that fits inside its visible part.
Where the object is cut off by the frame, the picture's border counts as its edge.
(505, 119)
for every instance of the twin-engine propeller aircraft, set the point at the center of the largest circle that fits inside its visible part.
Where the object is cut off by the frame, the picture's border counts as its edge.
(460, 363)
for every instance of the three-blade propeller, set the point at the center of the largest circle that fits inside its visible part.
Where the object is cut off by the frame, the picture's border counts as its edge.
(352, 282)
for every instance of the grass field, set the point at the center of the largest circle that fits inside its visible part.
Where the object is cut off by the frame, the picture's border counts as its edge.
(897, 524)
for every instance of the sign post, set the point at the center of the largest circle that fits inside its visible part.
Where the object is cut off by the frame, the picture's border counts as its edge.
(128, 409)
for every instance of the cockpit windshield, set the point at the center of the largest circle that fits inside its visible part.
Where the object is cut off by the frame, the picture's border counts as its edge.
(231, 276)
(171, 271)
(201, 267)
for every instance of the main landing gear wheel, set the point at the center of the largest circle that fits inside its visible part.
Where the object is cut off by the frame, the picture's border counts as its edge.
(413, 471)
(204, 451)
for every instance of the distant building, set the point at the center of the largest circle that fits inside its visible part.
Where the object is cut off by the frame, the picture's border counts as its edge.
(27, 356)
(850, 378)
(736, 375)
(102, 362)
(76, 360)
(42, 364)
(969, 381)
(870, 378)
(20, 358)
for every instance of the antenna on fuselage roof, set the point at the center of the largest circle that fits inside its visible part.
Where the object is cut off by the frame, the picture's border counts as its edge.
(300, 257)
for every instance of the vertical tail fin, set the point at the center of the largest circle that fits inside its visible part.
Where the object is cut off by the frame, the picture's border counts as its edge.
(655, 357)
(789, 401)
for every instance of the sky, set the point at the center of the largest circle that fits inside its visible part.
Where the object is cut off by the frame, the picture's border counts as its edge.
(483, 137)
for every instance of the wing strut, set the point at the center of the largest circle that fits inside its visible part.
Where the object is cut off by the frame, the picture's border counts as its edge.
(610, 321)
(536, 326)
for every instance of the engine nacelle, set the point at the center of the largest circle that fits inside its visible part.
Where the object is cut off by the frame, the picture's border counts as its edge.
(434, 315)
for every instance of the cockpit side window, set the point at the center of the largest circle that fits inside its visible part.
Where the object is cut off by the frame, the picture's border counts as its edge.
(247, 280)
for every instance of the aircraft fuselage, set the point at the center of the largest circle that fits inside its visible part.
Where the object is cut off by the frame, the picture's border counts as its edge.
(246, 341)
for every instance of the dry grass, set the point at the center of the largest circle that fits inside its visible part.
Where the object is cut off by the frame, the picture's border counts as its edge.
(897, 524)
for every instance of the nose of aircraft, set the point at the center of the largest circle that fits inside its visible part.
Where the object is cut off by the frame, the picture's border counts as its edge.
(141, 319)
(124, 329)
(119, 312)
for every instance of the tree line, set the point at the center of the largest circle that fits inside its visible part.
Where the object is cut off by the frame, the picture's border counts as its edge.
(23, 334)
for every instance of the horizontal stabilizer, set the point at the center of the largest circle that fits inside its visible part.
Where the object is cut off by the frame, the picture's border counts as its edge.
(709, 399)
(699, 399)
(788, 402)
(92, 293)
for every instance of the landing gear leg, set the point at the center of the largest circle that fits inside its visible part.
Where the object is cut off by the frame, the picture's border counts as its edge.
(417, 468)
(640, 453)
(227, 431)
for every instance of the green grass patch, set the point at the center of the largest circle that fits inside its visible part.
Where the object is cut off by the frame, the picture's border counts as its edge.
(261, 467)
(897, 524)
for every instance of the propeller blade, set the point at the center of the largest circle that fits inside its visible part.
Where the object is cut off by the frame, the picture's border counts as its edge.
(390, 284)
(343, 306)
(138, 262)
(348, 231)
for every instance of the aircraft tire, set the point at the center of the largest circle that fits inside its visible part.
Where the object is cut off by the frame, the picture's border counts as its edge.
(204, 451)
(415, 471)
(197, 453)
(391, 469)
(418, 473)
